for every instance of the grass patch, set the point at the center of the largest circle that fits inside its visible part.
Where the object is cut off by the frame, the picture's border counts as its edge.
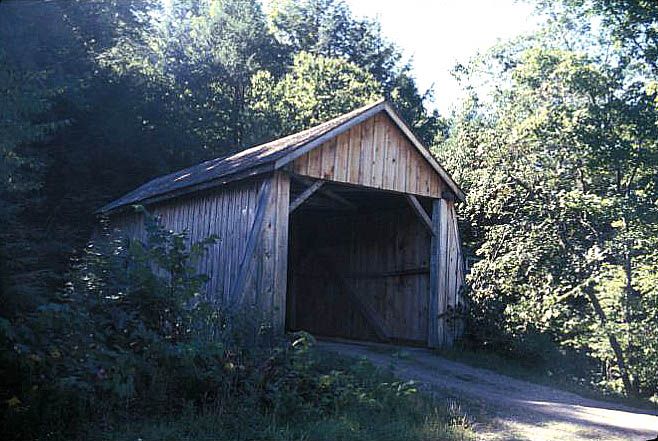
(356, 402)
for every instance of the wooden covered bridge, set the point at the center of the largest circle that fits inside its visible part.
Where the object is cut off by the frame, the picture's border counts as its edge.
(347, 229)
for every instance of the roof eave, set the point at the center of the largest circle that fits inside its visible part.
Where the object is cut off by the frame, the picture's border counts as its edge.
(393, 114)
(242, 174)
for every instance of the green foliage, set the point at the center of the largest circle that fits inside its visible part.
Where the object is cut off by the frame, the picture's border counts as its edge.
(305, 393)
(131, 337)
(315, 90)
(559, 165)
(327, 28)
(130, 314)
(633, 25)
(24, 125)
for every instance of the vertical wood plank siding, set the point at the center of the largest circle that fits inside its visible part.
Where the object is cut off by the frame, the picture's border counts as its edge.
(228, 212)
(446, 277)
(374, 153)
(407, 275)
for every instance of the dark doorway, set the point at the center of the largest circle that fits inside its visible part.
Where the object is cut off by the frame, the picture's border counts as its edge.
(358, 266)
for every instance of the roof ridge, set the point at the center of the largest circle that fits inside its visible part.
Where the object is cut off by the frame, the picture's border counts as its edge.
(211, 167)
(268, 156)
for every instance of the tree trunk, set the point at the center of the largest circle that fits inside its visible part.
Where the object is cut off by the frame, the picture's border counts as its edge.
(614, 343)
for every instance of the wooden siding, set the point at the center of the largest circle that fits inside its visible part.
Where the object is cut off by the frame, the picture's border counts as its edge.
(455, 301)
(382, 274)
(231, 213)
(374, 153)
(377, 257)
(446, 277)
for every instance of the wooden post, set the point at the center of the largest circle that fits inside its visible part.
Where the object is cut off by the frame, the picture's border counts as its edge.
(437, 300)
(282, 181)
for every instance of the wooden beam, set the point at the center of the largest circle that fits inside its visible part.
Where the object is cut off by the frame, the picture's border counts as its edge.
(282, 181)
(254, 236)
(433, 338)
(438, 274)
(299, 200)
(420, 212)
(368, 313)
(325, 191)
(442, 291)
(383, 274)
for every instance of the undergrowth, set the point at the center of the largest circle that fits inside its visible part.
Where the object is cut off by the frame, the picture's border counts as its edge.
(131, 350)
(310, 395)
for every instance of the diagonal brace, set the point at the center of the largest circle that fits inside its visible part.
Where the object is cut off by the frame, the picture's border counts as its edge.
(420, 212)
(310, 190)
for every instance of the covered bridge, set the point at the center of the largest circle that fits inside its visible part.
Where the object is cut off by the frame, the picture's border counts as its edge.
(347, 229)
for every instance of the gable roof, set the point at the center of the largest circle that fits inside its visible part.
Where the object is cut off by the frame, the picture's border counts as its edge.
(267, 157)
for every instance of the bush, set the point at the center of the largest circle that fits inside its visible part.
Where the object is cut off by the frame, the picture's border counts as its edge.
(131, 346)
(131, 329)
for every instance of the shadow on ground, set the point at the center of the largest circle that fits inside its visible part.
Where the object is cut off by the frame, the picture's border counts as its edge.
(507, 408)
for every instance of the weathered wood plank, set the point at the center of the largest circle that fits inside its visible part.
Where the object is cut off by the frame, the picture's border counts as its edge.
(300, 166)
(329, 163)
(340, 158)
(366, 159)
(315, 163)
(354, 155)
(378, 152)
(265, 259)
(412, 175)
(281, 253)
(252, 239)
(402, 169)
(299, 200)
(392, 153)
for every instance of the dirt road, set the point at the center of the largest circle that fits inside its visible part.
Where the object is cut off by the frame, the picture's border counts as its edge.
(511, 409)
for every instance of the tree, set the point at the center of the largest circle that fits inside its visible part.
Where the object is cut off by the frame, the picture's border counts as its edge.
(24, 124)
(328, 28)
(316, 89)
(559, 165)
(206, 54)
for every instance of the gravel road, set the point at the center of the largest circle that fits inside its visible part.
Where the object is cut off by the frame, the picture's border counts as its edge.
(507, 408)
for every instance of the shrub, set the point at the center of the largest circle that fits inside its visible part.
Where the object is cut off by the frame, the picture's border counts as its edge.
(130, 329)
(131, 346)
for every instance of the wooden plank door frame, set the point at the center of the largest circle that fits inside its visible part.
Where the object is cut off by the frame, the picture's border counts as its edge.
(437, 300)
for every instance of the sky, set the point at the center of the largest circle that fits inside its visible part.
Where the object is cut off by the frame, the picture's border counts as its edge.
(437, 34)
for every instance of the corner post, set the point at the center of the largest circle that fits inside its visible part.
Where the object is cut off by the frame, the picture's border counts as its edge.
(437, 295)
(282, 200)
